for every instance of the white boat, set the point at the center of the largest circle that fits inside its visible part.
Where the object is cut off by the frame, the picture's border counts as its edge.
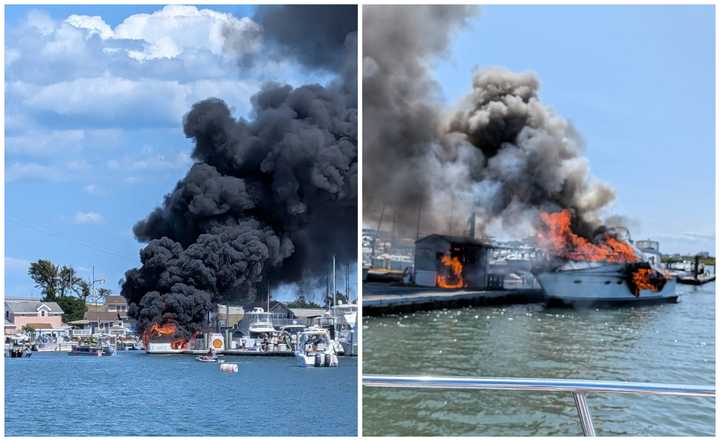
(315, 349)
(345, 323)
(602, 282)
(263, 336)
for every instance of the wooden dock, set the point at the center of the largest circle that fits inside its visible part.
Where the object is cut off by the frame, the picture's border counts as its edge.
(382, 298)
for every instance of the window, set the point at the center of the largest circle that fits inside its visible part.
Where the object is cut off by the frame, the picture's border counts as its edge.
(43, 313)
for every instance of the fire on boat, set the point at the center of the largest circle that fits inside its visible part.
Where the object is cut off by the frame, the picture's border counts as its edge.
(608, 269)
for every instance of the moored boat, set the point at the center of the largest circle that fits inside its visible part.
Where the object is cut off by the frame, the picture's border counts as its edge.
(83, 350)
(601, 282)
(315, 349)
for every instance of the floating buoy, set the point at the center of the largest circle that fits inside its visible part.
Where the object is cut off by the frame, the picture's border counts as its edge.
(230, 368)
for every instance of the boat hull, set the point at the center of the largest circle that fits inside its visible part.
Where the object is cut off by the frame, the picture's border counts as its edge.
(603, 285)
(317, 360)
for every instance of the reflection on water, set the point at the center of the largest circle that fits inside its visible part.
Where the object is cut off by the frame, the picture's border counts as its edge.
(668, 343)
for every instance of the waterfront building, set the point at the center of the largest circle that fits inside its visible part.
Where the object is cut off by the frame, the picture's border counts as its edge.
(229, 316)
(109, 318)
(33, 313)
(10, 328)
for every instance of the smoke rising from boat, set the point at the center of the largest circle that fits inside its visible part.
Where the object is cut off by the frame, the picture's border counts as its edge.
(499, 153)
(268, 199)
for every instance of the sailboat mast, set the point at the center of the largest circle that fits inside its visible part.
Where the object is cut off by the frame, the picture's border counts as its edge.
(333, 281)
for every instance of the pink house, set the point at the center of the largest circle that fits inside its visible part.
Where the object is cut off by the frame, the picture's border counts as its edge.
(33, 313)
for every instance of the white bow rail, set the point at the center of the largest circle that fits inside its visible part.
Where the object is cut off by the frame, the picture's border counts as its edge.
(579, 388)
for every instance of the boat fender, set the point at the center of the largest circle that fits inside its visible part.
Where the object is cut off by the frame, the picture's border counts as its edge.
(229, 368)
(318, 360)
(333, 360)
(326, 361)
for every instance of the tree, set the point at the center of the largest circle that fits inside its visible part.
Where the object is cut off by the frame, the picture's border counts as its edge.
(102, 293)
(73, 308)
(45, 275)
(56, 282)
(28, 331)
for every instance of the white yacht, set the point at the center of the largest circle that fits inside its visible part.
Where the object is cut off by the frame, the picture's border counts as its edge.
(315, 349)
(262, 334)
(345, 327)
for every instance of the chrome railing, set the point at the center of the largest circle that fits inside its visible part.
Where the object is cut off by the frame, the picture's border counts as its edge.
(579, 388)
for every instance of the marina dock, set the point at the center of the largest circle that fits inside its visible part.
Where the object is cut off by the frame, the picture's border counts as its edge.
(381, 298)
(233, 352)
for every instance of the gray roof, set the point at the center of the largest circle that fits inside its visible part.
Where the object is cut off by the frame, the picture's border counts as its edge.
(303, 313)
(25, 306)
(109, 300)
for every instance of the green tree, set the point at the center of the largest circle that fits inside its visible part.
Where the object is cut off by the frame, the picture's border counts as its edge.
(28, 331)
(102, 293)
(73, 307)
(55, 281)
(45, 275)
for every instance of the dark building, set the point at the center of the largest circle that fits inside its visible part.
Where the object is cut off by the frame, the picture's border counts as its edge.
(472, 254)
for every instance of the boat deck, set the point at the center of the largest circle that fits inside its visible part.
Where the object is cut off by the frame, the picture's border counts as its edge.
(382, 298)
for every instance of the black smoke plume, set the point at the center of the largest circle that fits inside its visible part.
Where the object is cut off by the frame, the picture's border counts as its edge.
(268, 200)
(500, 153)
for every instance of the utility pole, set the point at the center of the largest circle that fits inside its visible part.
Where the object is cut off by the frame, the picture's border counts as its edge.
(333, 281)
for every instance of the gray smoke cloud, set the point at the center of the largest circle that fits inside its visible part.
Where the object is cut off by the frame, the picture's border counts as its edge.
(401, 112)
(500, 153)
(268, 200)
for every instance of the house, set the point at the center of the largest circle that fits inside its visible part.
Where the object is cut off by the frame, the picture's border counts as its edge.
(34, 313)
(117, 304)
(106, 318)
(10, 328)
(235, 314)
(45, 318)
(306, 315)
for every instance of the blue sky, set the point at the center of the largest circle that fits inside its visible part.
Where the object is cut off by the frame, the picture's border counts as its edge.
(94, 102)
(638, 82)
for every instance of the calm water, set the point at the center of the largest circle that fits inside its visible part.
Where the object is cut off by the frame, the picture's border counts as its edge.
(671, 343)
(136, 394)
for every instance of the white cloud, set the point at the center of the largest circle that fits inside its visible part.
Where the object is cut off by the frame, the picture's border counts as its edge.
(88, 217)
(53, 172)
(40, 21)
(94, 25)
(173, 30)
(32, 170)
(47, 143)
(115, 101)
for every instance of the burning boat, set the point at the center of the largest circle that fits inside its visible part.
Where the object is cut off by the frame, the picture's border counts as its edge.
(607, 270)
(163, 339)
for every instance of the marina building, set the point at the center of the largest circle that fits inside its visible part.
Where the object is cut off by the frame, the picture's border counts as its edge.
(471, 254)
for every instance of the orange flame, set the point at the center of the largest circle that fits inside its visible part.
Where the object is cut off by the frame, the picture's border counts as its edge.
(453, 268)
(560, 240)
(649, 279)
(641, 280)
(164, 330)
